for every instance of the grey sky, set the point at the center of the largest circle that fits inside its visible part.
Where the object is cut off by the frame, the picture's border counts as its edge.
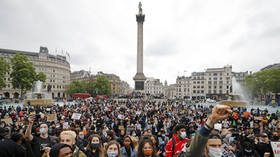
(179, 35)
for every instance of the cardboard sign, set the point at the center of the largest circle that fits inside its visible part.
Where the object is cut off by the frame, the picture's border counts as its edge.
(218, 126)
(7, 120)
(258, 118)
(51, 117)
(276, 148)
(65, 125)
(76, 116)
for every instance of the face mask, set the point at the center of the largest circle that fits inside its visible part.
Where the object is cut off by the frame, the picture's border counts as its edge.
(228, 136)
(43, 130)
(133, 134)
(183, 134)
(148, 152)
(112, 153)
(150, 134)
(94, 146)
(248, 151)
(215, 152)
(82, 136)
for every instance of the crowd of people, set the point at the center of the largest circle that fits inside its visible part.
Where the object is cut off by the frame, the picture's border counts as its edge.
(137, 129)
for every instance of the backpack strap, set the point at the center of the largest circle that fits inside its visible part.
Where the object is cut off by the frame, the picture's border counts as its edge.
(173, 146)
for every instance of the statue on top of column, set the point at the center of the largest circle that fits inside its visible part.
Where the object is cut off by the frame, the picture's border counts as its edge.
(140, 8)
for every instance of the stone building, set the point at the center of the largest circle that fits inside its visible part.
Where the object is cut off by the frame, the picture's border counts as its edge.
(153, 87)
(170, 91)
(124, 88)
(240, 77)
(81, 75)
(56, 68)
(214, 83)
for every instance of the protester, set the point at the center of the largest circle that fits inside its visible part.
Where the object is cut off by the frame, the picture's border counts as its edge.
(94, 147)
(61, 150)
(68, 137)
(112, 149)
(127, 149)
(243, 133)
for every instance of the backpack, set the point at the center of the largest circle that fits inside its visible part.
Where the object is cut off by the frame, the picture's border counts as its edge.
(181, 154)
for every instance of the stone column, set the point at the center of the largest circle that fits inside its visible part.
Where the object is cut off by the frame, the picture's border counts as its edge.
(140, 78)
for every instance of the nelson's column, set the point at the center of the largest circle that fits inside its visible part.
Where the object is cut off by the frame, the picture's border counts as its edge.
(139, 78)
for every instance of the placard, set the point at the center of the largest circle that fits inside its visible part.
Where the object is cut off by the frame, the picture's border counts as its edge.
(65, 125)
(76, 116)
(218, 126)
(276, 148)
(51, 117)
(7, 120)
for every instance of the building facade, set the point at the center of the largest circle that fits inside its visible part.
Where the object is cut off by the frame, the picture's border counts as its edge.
(153, 87)
(81, 75)
(215, 83)
(170, 91)
(240, 77)
(124, 88)
(56, 68)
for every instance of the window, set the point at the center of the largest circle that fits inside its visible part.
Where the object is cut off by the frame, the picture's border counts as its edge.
(198, 82)
(209, 91)
(215, 78)
(194, 82)
(202, 91)
(209, 82)
(215, 74)
(209, 87)
(221, 86)
(221, 82)
(221, 78)
(209, 78)
(202, 82)
(194, 91)
(215, 87)
(202, 86)
(220, 91)
(194, 86)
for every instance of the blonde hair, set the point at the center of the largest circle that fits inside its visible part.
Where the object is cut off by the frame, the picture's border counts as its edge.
(70, 133)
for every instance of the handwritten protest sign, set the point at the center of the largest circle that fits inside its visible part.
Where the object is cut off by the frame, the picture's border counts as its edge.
(76, 116)
(218, 126)
(51, 117)
(276, 148)
(7, 120)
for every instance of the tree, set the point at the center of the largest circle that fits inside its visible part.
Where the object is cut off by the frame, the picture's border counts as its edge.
(4, 68)
(263, 82)
(23, 74)
(76, 87)
(41, 77)
(103, 85)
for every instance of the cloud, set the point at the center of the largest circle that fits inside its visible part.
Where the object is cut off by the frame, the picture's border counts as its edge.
(178, 35)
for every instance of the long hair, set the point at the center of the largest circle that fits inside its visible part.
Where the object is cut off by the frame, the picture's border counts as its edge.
(88, 148)
(143, 141)
(111, 143)
(131, 142)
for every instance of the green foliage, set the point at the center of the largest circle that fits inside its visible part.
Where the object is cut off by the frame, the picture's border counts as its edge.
(4, 68)
(101, 86)
(76, 87)
(23, 74)
(265, 81)
(41, 77)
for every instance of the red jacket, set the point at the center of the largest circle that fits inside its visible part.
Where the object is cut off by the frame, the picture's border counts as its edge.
(179, 145)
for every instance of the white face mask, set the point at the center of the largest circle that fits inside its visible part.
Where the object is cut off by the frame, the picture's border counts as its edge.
(112, 153)
(215, 152)
(43, 130)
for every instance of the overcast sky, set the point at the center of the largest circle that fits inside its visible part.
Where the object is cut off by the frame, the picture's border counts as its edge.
(180, 36)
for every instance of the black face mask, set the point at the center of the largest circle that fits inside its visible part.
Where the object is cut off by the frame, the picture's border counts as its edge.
(94, 146)
(275, 138)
